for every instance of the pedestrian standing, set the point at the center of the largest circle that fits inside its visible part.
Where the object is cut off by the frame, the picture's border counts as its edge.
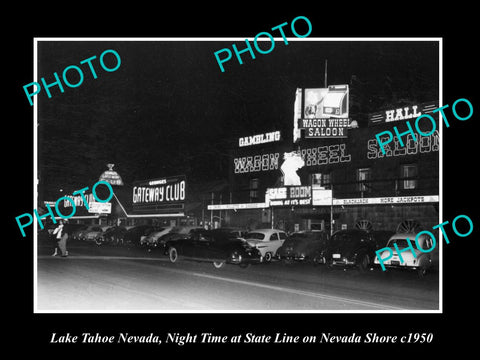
(57, 233)
(61, 233)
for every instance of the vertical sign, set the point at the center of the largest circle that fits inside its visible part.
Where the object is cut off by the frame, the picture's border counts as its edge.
(325, 112)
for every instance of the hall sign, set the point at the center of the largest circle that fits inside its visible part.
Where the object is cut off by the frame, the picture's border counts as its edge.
(402, 113)
(289, 196)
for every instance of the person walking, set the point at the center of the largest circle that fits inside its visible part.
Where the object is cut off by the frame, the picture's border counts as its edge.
(61, 235)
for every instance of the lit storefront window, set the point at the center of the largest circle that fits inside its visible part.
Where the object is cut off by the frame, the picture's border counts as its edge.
(253, 189)
(322, 179)
(363, 178)
(409, 175)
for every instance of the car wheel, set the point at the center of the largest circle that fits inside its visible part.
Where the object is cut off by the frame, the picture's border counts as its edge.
(98, 241)
(268, 257)
(172, 254)
(218, 264)
(318, 259)
(364, 262)
(422, 271)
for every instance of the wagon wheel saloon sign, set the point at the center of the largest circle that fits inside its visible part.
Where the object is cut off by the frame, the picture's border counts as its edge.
(325, 112)
(161, 195)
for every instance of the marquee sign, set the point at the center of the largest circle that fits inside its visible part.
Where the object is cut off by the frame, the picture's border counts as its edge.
(159, 195)
(321, 196)
(289, 196)
(237, 206)
(387, 200)
(100, 208)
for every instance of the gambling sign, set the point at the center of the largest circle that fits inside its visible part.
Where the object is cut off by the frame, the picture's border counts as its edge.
(159, 195)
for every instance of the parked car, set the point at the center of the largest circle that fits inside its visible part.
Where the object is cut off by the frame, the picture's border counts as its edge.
(304, 245)
(351, 248)
(134, 234)
(91, 233)
(268, 241)
(232, 232)
(382, 237)
(151, 240)
(76, 233)
(421, 262)
(213, 246)
(177, 233)
(113, 235)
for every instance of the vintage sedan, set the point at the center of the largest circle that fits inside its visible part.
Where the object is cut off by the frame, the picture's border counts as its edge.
(351, 248)
(77, 231)
(303, 245)
(151, 240)
(91, 233)
(133, 235)
(113, 235)
(177, 233)
(215, 247)
(232, 232)
(267, 241)
(417, 260)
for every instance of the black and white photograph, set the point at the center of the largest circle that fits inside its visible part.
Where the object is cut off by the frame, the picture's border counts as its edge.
(260, 188)
(293, 182)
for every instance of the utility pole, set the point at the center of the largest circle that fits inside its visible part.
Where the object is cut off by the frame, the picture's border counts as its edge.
(331, 212)
(326, 64)
(211, 213)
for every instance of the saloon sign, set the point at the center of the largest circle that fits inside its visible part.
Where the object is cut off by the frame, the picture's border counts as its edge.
(322, 113)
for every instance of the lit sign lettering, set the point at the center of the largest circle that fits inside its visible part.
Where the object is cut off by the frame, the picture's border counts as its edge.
(259, 139)
(387, 200)
(425, 144)
(256, 163)
(321, 155)
(289, 195)
(324, 155)
(402, 113)
(159, 191)
(325, 128)
(325, 113)
(77, 200)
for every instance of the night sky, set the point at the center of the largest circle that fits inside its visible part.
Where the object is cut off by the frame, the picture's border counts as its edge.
(169, 110)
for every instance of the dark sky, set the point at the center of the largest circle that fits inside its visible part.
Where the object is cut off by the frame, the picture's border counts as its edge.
(169, 110)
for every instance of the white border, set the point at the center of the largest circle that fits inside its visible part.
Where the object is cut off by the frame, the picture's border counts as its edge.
(211, 39)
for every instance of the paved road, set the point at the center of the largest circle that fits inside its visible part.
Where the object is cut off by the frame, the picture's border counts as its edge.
(110, 279)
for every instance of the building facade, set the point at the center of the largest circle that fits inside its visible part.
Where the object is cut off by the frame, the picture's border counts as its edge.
(367, 185)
